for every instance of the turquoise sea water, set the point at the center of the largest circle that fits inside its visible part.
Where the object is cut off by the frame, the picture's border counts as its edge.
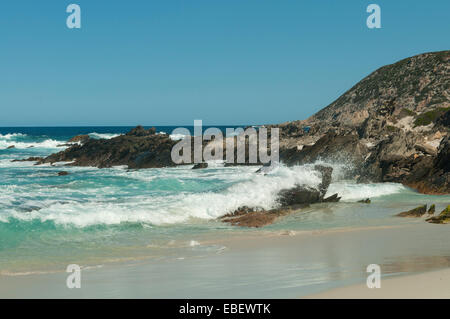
(95, 216)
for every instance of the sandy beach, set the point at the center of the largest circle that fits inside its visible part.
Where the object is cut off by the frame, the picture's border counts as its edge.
(268, 265)
(430, 285)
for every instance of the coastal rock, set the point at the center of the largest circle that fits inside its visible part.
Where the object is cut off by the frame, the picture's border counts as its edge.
(11, 147)
(140, 148)
(442, 218)
(79, 139)
(200, 166)
(416, 212)
(332, 146)
(301, 194)
(63, 173)
(298, 195)
(332, 199)
(365, 201)
(290, 200)
(29, 159)
(253, 217)
(140, 131)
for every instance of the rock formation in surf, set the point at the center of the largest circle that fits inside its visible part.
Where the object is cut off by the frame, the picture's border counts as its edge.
(290, 201)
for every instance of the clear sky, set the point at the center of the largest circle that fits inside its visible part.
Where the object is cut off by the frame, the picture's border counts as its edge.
(168, 62)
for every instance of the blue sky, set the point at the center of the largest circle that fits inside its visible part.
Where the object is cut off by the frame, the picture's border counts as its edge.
(168, 62)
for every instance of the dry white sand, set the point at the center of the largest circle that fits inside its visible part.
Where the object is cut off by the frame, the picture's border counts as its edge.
(435, 285)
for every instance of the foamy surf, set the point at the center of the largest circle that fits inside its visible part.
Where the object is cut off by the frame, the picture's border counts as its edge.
(172, 195)
(105, 136)
(23, 141)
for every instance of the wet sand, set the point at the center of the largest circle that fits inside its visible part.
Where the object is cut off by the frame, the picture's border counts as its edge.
(263, 264)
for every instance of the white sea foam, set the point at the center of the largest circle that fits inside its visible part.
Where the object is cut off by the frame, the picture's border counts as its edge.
(49, 143)
(350, 191)
(106, 136)
(177, 137)
(10, 136)
(86, 206)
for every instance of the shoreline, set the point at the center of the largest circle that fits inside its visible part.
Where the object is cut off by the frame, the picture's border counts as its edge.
(256, 265)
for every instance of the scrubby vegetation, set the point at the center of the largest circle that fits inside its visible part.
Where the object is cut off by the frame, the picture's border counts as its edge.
(430, 116)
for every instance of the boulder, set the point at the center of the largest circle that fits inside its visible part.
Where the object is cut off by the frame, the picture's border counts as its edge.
(432, 209)
(10, 147)
(365, 201)
(299, 195)
(416, 212)
(63, 173)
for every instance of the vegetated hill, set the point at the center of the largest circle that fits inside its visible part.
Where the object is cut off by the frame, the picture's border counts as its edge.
(412, 86)
(391, 126)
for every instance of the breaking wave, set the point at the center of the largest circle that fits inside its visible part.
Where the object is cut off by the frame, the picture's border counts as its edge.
(105, 136)
(168, 196)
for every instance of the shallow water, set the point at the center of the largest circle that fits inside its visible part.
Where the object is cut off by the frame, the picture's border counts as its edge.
(99, 216)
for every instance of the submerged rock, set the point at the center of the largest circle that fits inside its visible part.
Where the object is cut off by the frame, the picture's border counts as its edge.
(10, 147)
(365, 201)
(253, 217)
(416, 212)
(63, 173)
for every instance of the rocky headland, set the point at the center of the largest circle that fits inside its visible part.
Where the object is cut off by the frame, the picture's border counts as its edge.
(392, 126)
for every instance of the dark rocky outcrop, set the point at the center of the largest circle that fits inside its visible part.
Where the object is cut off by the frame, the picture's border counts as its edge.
(427, 174)
(416, 212)
(63, 173)
(331, 199)
(290, 200)
(140, 148)
(432, 209)
(365, 201)
(332, 146)
(11, 147)
(301, 194)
